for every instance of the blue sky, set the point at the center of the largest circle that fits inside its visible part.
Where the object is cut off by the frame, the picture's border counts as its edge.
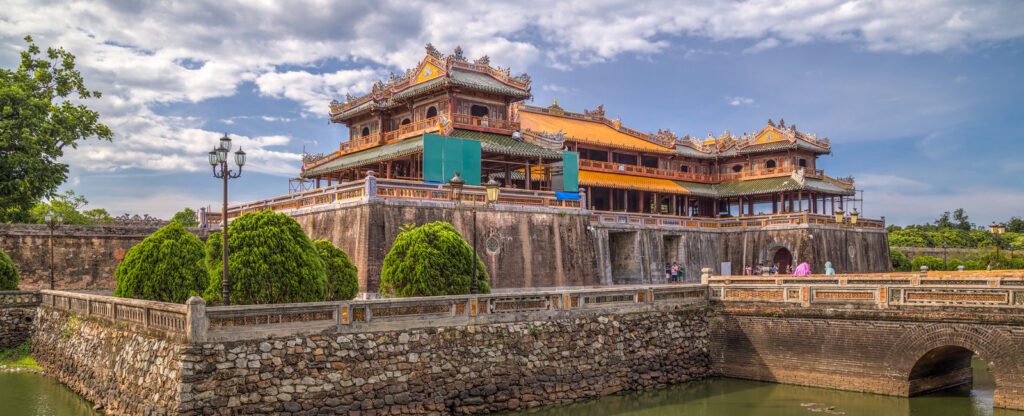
(920, 99)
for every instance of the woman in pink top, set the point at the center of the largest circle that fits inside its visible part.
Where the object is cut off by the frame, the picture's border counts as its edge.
(803, 269)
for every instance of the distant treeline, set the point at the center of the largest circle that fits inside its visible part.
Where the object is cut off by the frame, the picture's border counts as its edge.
(955, 230)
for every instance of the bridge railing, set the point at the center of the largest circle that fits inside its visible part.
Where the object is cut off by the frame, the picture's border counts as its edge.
(947, 289)
(19, 298)
(195, 323)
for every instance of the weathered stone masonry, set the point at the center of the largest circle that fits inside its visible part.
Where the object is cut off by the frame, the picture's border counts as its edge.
(17, 317)
(457, 370)
(137, 357)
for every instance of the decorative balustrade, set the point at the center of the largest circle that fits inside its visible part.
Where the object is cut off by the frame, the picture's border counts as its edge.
(19, 299)
(1004, 289)
(167, 320)
(759, 221)
(484, 123)
(414, 128)
(759, 173)
(231, 323)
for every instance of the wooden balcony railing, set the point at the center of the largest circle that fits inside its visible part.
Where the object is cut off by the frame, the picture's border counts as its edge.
(414, 128)
(467, 121)
(359, 143)
(610, 167)
(754, 221)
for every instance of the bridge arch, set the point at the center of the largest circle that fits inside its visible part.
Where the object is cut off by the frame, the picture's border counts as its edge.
(929, 357)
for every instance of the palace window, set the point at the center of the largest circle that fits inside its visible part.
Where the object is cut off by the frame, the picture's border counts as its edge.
(769, 164)
(803, 163)
(406, 121)
(737, 168)
(366, 131)
(479, 110)
(431, 112)
(684, 168)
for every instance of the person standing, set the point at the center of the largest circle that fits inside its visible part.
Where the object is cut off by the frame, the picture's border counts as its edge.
(668, 272)
(675, 272)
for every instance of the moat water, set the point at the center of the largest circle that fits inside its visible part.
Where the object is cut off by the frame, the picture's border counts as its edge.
(25, 394)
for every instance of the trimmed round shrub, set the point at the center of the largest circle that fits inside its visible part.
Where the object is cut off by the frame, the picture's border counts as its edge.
(430, 260)
(167, 266)
(271, 260)
(342, 283)
(900, 261)
(8, 273)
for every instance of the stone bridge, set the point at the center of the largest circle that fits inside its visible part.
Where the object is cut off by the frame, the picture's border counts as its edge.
(896, 334)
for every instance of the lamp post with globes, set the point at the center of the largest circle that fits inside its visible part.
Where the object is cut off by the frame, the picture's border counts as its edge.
(219, 159)
(52, 221)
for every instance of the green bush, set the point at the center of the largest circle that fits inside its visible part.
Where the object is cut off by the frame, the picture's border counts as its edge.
(431, 260)
(933, 263)
(900, 261)
(8, 273)
(271, 260)
(167, 266)
(342, 283)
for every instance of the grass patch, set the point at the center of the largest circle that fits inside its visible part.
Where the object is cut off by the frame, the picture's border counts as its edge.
(19, 357)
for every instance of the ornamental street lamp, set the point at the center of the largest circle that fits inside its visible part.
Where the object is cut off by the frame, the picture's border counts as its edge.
(853, 216)
(219, 159)
(839, 216)
(52, 221)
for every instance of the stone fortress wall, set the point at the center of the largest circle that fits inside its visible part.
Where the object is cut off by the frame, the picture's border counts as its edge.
(522, 246)
(84, 256)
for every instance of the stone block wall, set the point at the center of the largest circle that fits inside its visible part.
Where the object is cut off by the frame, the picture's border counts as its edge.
(16, 325)
(84, 256)
(522, 247)
(459, 370)
(111, 365)
(849, 250)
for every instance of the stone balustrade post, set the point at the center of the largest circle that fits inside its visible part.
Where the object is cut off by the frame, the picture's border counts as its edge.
(705, 275)
(370, 189)
(196, 323)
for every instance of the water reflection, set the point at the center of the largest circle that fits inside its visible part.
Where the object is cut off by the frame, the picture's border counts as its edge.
(721, 397)
(27, 394)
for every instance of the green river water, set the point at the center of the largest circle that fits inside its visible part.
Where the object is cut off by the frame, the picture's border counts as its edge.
(35, 395)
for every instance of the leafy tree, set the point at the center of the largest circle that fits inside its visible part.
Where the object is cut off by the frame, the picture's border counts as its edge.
(900, 262)
(166, 266)
(1015, 225)
(933, 263)
(909, 237)
(8, 273)
(943, 221)
(186, 217)
(342, 283)
(431, 260)
(961, 221)
(271, 260)
(41, 114)
(69, 205)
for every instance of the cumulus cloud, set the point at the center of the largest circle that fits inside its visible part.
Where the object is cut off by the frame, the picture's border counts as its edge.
(739, 101)
(146, 55)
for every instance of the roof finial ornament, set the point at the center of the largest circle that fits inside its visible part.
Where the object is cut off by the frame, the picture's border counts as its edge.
(484, 60)
(771, 123)
(782, 123)
(555, 104)
(432, 51)
(458, 53)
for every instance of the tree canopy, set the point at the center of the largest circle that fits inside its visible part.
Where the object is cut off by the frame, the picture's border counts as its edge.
(69, 205)
(8, 273)
(271, 260)
(167, 266)
(342, 283)
(431, 260)
(41, 115)
(186, 217)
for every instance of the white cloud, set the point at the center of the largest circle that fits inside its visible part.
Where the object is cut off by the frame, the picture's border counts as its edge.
(145, 55)
(739, 101)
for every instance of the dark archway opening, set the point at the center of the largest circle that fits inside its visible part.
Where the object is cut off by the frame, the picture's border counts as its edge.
(406, 121)
(479, 111)
(432, 112)
(769, 164)
(782, 260)
(737, 168)
(365, 132)
(951, 372)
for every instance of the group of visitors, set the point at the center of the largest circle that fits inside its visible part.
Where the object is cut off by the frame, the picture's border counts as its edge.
(674, 273)
(803, 269)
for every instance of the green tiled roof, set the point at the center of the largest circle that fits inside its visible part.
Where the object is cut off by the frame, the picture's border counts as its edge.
(506, 145)
(484, 82)
(780, 184)
(688, 151)
(698, 189)
(368, 156)
(781, 145)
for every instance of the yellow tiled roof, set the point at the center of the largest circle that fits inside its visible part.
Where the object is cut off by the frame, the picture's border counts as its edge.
(585, 131)
(639, 183)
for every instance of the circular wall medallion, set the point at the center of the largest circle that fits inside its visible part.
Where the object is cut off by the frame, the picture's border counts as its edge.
(493, 244)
